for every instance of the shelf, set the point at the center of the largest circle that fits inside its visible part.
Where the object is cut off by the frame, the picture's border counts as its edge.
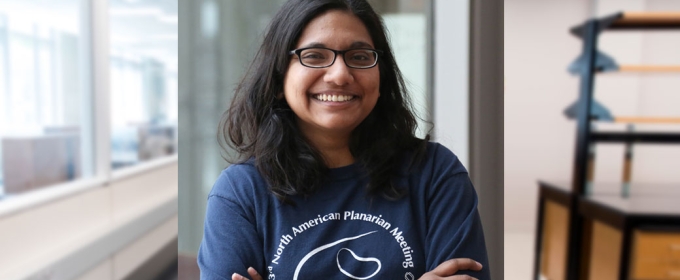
(637, 20)
(649, 68)
(647, 120)
(614, 188)
(617, 211)
(636, 137)
(610, 67)
(607, 64)
(572, 213)
(633, 21)
(653, 202)
(559, 192)
(659, 205)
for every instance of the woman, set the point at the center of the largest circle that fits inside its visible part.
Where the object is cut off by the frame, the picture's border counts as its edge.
(332, 183)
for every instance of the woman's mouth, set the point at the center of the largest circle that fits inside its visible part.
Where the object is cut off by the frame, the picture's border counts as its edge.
(333, 97)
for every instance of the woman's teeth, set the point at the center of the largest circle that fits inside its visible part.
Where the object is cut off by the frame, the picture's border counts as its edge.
(333, 98)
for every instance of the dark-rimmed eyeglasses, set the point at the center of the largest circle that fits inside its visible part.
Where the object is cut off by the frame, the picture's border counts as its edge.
(317, 57)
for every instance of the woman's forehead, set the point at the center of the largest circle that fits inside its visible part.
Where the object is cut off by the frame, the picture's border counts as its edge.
(333, 29)
(353, 45)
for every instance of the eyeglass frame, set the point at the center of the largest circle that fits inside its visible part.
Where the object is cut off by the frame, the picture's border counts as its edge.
(297, 52)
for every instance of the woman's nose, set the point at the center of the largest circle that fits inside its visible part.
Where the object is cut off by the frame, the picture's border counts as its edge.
(339, 73)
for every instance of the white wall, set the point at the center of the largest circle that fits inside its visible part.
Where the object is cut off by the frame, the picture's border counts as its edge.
(539, 140)
(102, 233)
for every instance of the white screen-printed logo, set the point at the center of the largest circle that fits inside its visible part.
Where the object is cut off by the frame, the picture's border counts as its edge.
(329, 245)
(360, 259)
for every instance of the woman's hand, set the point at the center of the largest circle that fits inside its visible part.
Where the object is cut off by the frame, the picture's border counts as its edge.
(446, 270)
(443, 271)
(251, 271)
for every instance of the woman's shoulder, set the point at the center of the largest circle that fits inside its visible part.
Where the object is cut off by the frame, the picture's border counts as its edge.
(241, 170)
(240, 179)
(440, 174)
(439, 158)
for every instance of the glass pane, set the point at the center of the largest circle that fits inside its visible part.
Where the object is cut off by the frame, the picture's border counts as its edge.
(143, 71)
(217, 52)
(408, 35)
(406, 21)
(42, 106)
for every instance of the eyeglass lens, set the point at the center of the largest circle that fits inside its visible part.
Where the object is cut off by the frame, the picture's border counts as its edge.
(359, 58)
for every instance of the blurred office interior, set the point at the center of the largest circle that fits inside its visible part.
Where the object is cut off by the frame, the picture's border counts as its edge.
(540, 140)
(88, 139)
(449, 52)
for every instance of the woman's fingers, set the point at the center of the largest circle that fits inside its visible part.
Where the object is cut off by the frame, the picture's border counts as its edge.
(251, 271)
(253, 274)
(461, 277)
(431, 276)
(445, 269)
(452, 266)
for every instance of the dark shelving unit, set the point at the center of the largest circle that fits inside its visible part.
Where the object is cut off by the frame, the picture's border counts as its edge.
(579, 221)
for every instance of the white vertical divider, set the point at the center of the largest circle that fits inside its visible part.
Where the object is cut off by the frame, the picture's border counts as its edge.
(451, 88)
(99, 40)
(87, 121)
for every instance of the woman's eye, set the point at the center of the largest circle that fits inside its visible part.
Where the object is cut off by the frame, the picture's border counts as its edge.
(312, 56)
(360, 56)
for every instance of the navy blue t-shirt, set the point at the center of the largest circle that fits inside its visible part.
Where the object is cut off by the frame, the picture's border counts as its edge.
(340, 232)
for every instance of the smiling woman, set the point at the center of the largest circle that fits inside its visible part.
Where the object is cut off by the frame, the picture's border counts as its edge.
(322, 124)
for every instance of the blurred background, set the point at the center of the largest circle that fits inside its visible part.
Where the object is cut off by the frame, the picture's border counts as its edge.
(540, 141)
(449, 52)
(88, 139)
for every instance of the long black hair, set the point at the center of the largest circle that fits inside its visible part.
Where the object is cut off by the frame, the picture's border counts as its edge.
(260, 125)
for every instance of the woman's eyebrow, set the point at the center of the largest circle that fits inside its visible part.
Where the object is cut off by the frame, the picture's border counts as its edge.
(314, 45)
(354, 45)
(360, 44)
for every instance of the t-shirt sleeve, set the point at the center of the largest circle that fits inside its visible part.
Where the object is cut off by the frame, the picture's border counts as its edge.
(230, 239)
(454, 225)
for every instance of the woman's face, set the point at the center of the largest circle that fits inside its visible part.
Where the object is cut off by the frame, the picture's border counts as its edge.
(307, 90)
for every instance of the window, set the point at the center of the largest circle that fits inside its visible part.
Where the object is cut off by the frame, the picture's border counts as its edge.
(143, 70)
(42, 108)
(62, 87)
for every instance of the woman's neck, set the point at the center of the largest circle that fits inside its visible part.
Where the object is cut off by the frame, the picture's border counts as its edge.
(333, 148)
(337, 157)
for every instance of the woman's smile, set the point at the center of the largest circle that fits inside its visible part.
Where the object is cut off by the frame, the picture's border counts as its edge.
(333, 98)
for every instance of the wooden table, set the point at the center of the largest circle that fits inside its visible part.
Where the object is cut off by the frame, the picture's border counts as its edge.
(637, 237)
